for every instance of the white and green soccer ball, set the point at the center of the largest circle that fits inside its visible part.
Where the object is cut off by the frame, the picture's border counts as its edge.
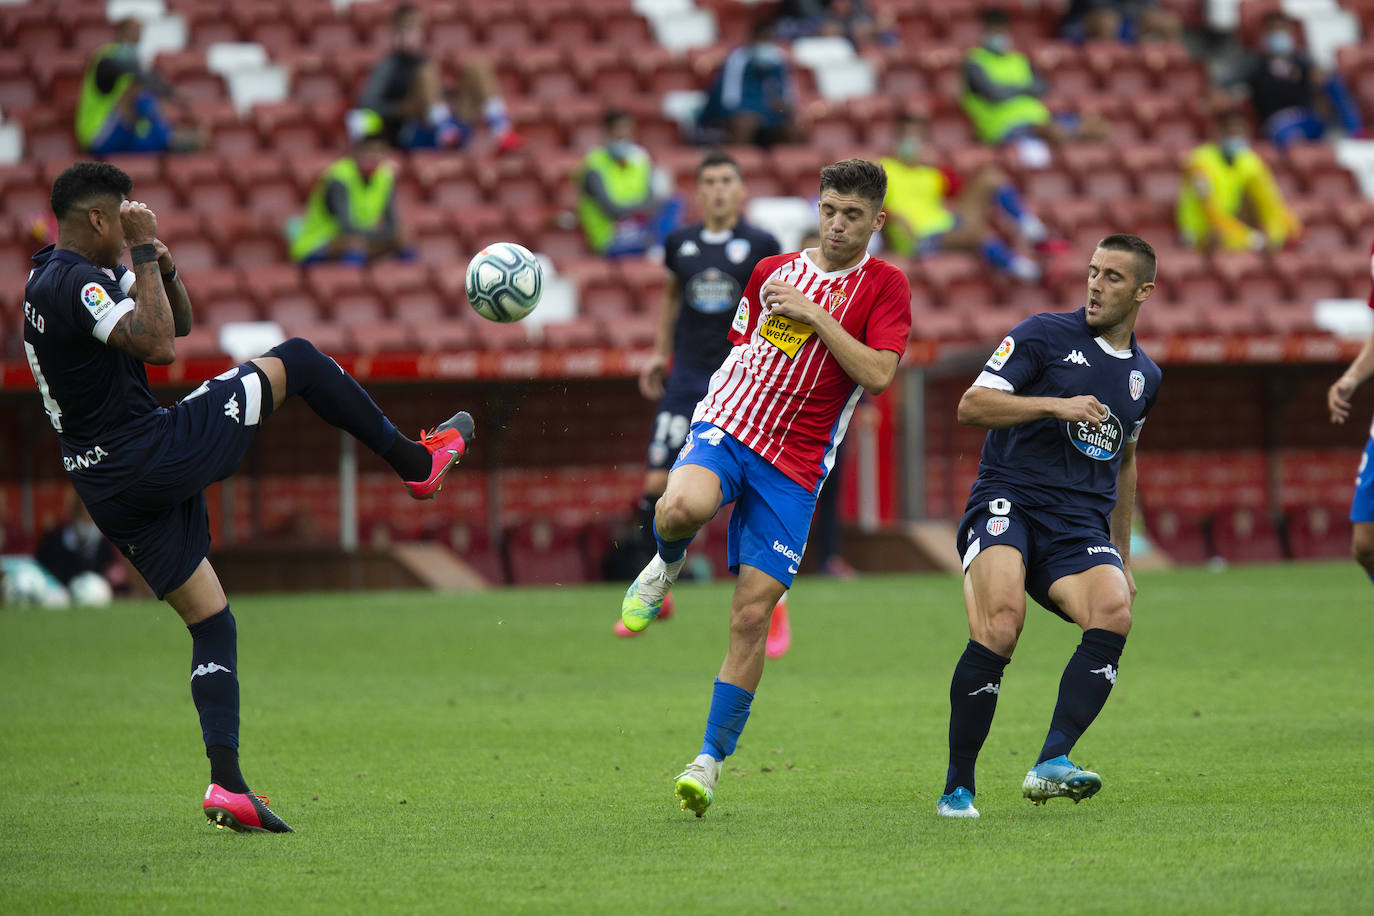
(504, 282)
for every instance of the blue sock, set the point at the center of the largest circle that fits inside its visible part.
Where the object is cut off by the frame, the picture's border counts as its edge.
(670, 551)
(973, 695)
(997, 253)
(341, 402)
(1009, 199)
(725, 721)
(1083, 690)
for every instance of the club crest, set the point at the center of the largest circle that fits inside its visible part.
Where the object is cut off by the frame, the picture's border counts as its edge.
(998, 524)
(1137, 384)
(837, 298)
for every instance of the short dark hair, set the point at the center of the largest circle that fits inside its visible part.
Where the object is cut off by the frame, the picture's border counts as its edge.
(84, 181)
(858, 177)
(1144, 254)
(614, 116)
(716, 157)
(994, 17)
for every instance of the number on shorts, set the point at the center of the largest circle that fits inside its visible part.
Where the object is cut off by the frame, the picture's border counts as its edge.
(714, 436)
(999, 506)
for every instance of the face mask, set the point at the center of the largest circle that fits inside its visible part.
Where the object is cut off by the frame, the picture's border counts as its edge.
(1279, 43)
(1232, 146)
(908, 147)
(620, 149)
(768, 53)
(998, 43)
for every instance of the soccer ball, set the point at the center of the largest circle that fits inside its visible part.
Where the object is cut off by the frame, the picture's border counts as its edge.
(504, 282)
(90, 589)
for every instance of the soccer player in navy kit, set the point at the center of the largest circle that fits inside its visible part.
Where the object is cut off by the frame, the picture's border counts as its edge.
(1063, 398)
(90, 324)
(709, 264)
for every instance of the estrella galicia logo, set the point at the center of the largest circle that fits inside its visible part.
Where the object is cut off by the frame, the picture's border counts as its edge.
(1137, 384)
(1099, 444)
(712, 291)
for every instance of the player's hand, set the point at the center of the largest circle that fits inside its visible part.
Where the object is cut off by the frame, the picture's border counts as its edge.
(784, 299)
(139, 222)
(1338, 398)
(651, 377)
(164, 256)
(1083, 409)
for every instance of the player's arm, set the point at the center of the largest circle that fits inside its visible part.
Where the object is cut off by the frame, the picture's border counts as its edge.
(995, 408)
(871, 369)
(177, 297)
(147, 332)
(651, 376)
(1339, 394)
(1123, 513)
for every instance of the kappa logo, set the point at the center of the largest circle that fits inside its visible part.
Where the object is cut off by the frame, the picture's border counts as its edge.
(231, 407)
(1108, 672)
(209, 669)
(1077, 358)
(991, 688)
(688, 249)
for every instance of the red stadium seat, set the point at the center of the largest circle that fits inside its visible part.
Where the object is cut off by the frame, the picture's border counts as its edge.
(1179, 534)
(417, 309)
(382, 336)
(268, 283)
(1318, 531)
(576, 332)
(293, 311)
(1245, 535)
(543, 553)
(331, 338)
(470, 541)
(357, 307)
(449, 334)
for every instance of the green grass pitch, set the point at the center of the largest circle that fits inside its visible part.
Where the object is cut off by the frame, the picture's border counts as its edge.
(505, 753)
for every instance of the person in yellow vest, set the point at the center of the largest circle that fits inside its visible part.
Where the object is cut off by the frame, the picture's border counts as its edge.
(119, 110)
(1002, 92)
(350, 215)
(619, 207)
(930, 207)
(1229, 200)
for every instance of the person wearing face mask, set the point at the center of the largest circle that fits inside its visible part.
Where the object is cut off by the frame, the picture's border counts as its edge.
(1229, 199)
(754, 97)
(621, 208)
(1286, 89)
(405, 90)
(1002, 94)
(119, 109)
(350, 215)
(931, 208)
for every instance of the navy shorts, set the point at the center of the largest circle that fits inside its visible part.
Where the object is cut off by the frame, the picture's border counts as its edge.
(1052, 546)
(681, 392)
(160, 522)
(772, 514)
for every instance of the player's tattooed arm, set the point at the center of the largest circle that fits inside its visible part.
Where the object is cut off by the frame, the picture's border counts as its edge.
(176, 290)
(146, 333)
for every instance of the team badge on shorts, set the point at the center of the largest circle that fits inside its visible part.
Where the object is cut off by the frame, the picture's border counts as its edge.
(998, 524)
(1137, 384)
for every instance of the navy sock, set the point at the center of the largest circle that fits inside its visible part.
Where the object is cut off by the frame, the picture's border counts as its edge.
(670, 551)
(973, 695)
(644, 512)
(1088, 680)
(224, 768)
(215, 684)
(725, 721)
(341, 402)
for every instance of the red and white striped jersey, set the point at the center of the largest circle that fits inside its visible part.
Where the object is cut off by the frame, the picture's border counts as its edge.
(780, 392)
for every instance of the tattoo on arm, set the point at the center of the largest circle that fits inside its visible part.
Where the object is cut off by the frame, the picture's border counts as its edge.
(146, 332)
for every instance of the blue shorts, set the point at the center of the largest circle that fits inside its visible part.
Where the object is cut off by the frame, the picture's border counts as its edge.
(1052, 546)
(772, 514)
(160, 522)
(1362, 506)
(681, 392)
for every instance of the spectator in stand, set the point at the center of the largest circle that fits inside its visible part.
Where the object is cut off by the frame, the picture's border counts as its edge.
(930, 207)
(624, 208)
(350, 215)
(77, 546)
(1286, 89)
(754, 96)
(850, 19)
(1128, 21)
(119, 110)
(1229, 200)
(405, 90)
(1002, 93)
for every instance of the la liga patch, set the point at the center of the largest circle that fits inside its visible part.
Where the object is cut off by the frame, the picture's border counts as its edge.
(1002, 354)
(96, 300)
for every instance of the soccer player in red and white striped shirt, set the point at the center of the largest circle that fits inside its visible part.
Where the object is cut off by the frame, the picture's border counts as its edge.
(813, 330)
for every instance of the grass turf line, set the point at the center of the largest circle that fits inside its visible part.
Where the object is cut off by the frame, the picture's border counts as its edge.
(503, 752)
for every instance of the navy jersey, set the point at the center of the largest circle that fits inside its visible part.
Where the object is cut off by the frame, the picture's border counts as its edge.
(1071, 467)
(712, 269)
(97, 397)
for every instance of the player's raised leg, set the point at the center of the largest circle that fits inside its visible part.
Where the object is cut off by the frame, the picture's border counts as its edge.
(296, 367)
(692, 497)
(756, 593)
(995, 599)
(203, 606)
(1099, 601)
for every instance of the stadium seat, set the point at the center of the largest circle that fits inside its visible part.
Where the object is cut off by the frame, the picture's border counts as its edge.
(382, 336)
(448, 334)
(1245, 535)
(1179, 534)
(470, 541)
(1318, 531)
(356, 307)
(542, 553)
